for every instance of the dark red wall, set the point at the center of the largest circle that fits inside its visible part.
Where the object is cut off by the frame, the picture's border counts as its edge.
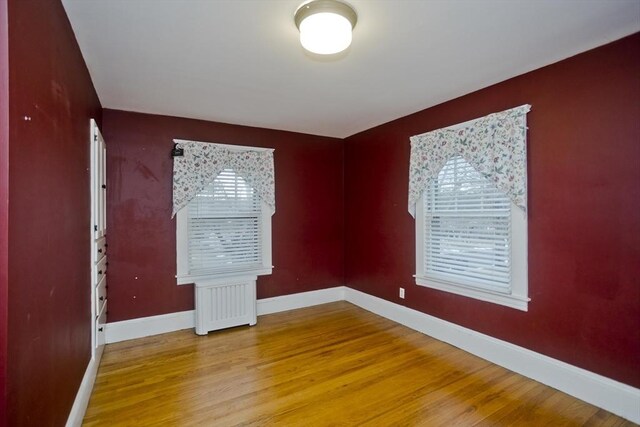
(307, 226)
(49, 339)
(584, 211)
(4, 205)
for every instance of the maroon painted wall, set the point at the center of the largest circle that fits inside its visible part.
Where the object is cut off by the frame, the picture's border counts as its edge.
(49, 339)
(584, 211)
(307, 228)
(4, 205)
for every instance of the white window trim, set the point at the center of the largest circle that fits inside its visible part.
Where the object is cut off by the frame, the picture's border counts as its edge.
(182, 250)
(516, 297)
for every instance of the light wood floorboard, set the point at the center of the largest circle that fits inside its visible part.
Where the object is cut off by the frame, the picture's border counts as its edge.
(332, 364)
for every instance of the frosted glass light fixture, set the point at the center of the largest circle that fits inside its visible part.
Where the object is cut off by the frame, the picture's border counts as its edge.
(325, 26)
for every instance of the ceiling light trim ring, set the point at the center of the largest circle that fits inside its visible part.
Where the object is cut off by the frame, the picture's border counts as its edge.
(326, 6)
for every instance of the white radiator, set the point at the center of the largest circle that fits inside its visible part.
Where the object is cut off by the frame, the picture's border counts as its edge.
(226, 302)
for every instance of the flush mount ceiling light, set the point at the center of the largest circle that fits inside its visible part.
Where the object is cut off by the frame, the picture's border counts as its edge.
(325, 26)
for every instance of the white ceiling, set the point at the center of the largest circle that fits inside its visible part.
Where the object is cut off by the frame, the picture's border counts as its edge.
(240, 61)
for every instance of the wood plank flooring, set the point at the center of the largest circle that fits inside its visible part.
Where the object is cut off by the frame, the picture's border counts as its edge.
(332, 364)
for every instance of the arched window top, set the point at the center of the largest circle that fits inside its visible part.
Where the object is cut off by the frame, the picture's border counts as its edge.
(228, 192)
(461, 188)
(494, 145)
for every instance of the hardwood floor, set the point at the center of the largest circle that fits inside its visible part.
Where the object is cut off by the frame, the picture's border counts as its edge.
(333, 364)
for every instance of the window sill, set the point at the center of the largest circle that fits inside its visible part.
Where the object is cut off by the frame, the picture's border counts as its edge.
(509, 300)
(189, 279)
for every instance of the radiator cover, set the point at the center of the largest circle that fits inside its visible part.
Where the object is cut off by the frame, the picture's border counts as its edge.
(225, 302)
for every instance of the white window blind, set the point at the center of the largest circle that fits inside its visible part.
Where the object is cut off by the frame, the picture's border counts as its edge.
(224, 227)
(467, 229)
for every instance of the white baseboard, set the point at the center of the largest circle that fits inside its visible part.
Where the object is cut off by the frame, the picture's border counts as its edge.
(615, 397)
(84, 391)
(154, 325)
(147, 326)
(300, 300)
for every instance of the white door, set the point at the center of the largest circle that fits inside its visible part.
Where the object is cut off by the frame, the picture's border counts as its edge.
(98, 239)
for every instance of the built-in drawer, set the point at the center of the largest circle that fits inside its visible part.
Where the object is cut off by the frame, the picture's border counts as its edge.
(101, 250)
(101, 294)
(101, 321)
(101, 269)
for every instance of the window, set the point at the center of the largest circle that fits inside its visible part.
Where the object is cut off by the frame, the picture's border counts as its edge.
(471, 239)
(224, 230)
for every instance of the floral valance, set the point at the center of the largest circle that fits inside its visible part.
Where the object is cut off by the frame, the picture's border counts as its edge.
(202, 162)
(495, 145)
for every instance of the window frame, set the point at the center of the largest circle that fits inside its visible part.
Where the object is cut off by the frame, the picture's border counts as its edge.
(183, 276)
(516, 296)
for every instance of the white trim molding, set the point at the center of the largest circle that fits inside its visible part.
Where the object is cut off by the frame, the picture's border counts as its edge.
(76, 415)
(148, 326)
(164, 323)
(613, 396)
(300, 300)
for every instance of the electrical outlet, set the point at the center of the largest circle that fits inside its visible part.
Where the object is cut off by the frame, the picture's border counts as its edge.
(402, 293)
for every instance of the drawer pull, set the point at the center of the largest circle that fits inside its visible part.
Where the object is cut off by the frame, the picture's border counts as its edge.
(99, 271)
(100, 250)
(101, 298)
(100, 329)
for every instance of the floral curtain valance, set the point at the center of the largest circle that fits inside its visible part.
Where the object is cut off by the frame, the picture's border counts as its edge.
(495, 145)
(202, 162)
